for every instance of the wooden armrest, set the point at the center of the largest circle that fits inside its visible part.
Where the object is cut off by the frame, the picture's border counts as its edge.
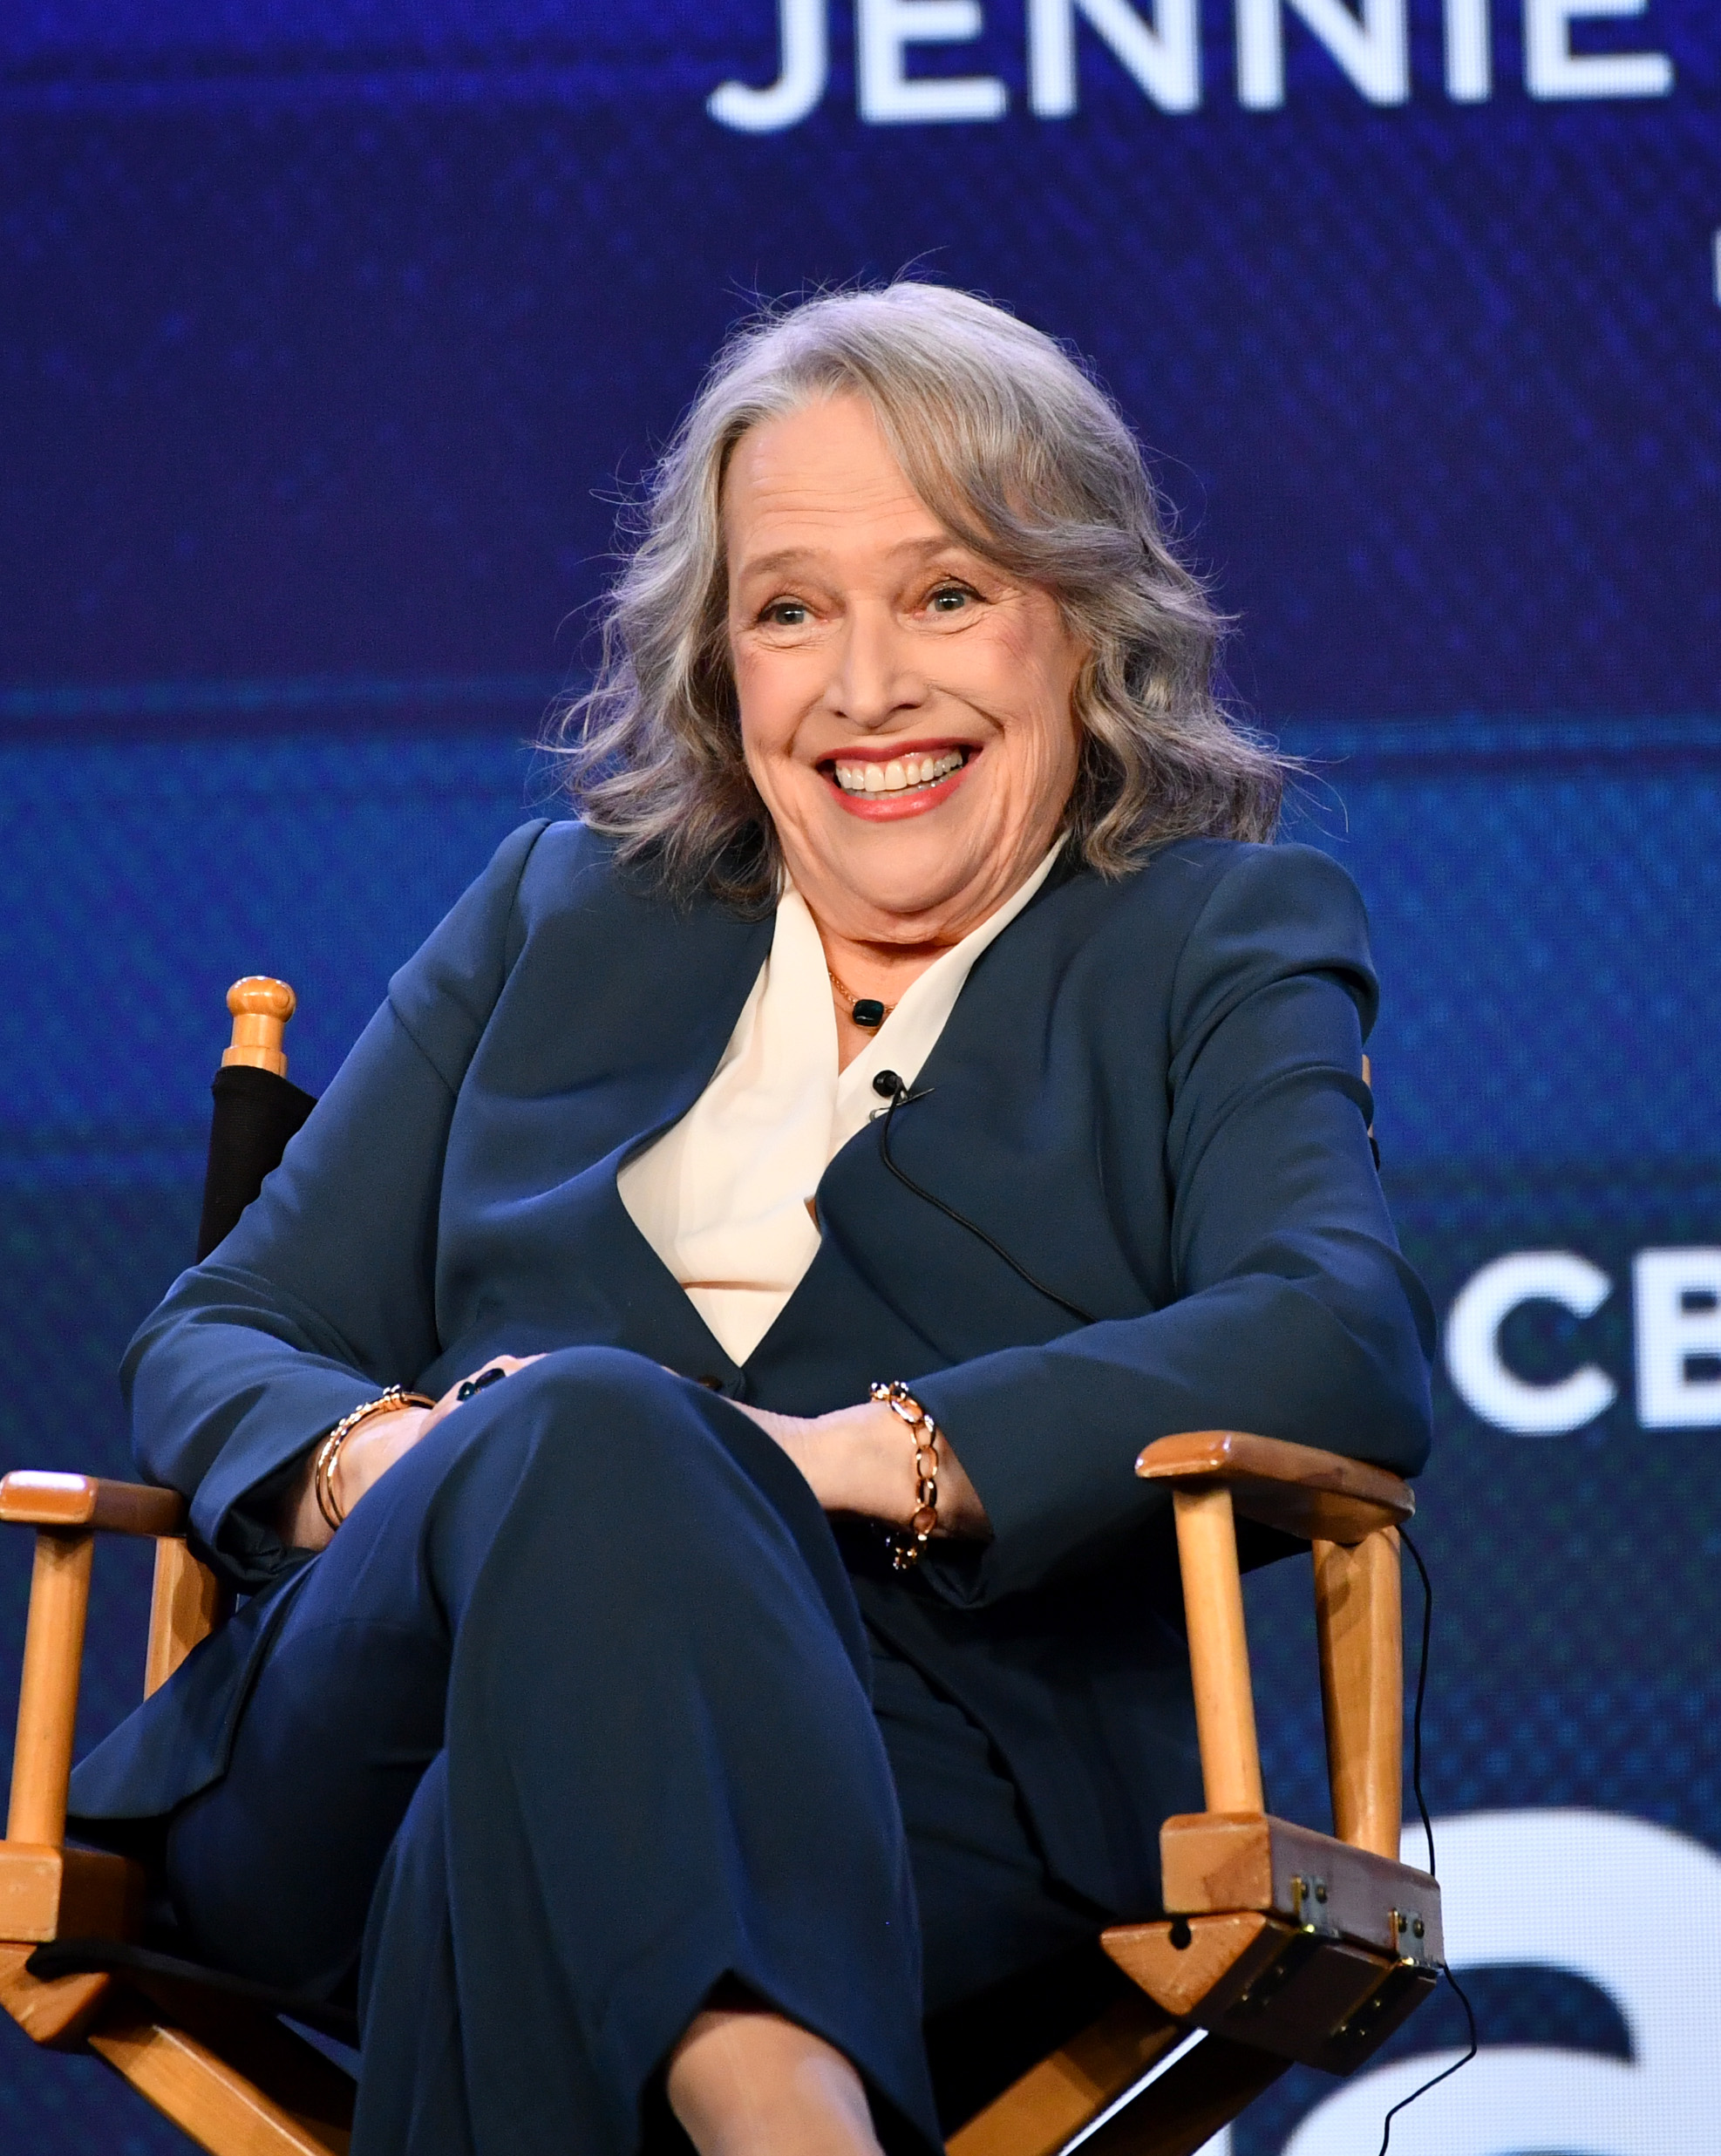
(37, 1498)
(67, 1513)
(1350, 1511)
(1318, 1496)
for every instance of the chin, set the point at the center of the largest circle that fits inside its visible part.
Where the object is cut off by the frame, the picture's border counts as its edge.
(904, 876)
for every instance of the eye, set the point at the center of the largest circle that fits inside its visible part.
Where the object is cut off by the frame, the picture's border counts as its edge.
(949, 599)
(785, 614)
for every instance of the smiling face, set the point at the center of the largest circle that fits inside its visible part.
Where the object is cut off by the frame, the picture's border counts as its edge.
(906, 708)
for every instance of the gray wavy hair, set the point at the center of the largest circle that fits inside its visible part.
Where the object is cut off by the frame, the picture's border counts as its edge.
(1023, 458)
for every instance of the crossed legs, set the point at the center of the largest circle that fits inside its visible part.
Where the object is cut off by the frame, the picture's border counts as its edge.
(606, 1611)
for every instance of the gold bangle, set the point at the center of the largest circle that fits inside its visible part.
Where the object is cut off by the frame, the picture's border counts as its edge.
(323, 1474)
(906, 1544)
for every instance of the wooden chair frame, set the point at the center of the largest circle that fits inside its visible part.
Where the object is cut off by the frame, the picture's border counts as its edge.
(1278, 1943)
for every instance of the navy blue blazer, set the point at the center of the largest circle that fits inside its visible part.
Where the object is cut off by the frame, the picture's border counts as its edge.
(1148, 1092)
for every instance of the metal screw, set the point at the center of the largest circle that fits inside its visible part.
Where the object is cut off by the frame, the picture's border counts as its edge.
(1320, 1890)
(1419, 1928)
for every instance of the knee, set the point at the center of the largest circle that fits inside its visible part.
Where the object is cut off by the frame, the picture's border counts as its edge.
(585, 1425)
(596, 1393)
(595, 1459)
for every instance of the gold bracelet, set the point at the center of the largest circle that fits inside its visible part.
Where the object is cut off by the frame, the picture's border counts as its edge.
(907, 1543)
(322, 1475)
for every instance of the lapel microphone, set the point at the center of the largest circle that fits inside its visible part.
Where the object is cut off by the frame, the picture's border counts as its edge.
(889, 1087)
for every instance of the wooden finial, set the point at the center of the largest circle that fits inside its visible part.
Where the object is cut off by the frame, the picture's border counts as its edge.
(261, 1009)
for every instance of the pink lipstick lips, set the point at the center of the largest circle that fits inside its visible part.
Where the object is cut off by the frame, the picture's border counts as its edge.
(904, 779)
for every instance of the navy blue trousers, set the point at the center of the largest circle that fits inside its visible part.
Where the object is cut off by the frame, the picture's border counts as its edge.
(575, 1719)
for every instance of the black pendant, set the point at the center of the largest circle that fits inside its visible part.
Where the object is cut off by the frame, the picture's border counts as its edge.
(868, 1013)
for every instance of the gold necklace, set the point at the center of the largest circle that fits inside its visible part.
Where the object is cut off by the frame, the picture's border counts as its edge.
(866, 1011)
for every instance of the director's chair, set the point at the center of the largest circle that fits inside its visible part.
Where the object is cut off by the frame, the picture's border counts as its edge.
(1277, 1943)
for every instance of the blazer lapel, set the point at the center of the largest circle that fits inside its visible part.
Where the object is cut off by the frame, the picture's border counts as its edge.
(610, 1030)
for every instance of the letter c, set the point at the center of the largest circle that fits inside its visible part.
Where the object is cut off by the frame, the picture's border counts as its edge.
(1481, 1378)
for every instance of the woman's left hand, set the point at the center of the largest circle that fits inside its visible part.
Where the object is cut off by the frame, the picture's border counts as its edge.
(861, 1459)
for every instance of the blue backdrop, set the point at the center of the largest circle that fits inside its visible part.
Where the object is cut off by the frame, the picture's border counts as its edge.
(329, 337)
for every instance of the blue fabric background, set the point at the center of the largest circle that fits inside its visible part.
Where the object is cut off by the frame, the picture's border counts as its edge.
(328, 340)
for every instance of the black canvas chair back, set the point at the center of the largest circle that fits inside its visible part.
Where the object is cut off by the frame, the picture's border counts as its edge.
(258, 1110)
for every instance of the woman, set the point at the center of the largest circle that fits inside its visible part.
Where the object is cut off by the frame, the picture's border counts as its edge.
(793, 1193)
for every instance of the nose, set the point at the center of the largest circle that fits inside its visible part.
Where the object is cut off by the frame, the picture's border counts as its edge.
(875, 679)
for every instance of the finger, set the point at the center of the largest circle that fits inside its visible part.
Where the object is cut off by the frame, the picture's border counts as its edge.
(501, 1366)
(494, 1371)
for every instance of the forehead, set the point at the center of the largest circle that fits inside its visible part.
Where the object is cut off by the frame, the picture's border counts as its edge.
(815, 476)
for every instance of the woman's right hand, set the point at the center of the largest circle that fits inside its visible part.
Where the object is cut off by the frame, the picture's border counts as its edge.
(373, 1448)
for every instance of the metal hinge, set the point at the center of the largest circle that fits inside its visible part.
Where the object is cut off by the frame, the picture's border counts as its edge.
(1410, 1936)
(1308, 1899)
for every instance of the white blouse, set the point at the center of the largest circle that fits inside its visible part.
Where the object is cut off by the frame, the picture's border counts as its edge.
(723, 1196)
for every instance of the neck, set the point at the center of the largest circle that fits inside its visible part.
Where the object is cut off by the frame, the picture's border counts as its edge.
(870, 972)
(882, 968)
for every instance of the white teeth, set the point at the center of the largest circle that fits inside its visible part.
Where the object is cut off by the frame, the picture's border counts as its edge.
(900, 774)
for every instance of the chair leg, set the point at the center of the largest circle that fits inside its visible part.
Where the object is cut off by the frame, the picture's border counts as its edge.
(1053, 2101)
(1201, 2090)
(267, 2093)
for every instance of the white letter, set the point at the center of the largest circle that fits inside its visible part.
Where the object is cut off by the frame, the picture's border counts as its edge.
(1373, 50)
(1552, 70)
(796, 91)
(1165, 60)
(1644, 1945)
(885, 28)
(1678, 1299)
(1470, 70)
(1481, 1379)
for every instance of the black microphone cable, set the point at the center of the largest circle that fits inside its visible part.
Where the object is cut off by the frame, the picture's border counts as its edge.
(1446, 2072)
(890, 1088)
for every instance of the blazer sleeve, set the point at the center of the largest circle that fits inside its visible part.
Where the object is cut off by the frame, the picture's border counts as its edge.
(288, 1325)
(1293, 1316)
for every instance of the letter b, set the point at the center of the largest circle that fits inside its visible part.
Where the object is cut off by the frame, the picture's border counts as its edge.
(1677, 1295)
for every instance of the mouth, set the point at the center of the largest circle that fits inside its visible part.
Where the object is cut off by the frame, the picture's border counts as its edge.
(910, 778)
